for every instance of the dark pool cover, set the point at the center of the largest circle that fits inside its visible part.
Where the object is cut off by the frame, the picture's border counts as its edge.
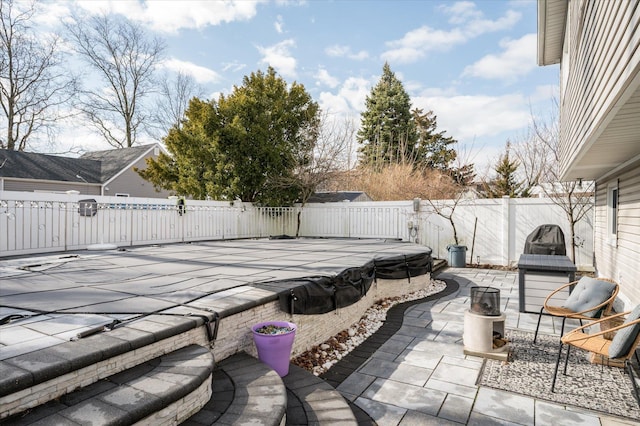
(319, 295)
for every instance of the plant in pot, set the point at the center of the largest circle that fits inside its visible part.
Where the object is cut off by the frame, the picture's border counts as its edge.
(274, 341)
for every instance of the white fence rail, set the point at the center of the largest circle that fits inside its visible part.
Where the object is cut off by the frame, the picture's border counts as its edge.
(39, 223)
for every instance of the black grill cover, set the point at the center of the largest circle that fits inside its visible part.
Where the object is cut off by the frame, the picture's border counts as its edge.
(546, 239)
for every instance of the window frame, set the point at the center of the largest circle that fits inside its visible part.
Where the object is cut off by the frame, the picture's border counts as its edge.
(613, 207)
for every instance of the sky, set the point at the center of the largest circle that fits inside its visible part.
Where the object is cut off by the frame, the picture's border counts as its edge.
(473, 63)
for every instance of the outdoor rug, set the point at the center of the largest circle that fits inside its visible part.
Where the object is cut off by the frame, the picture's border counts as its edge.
(530, 372)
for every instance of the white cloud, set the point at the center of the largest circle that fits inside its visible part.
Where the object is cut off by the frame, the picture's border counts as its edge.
(234, 66)
(337, 50)
(173, 16)
(279, 57)
(200, 74)
(417, 43)
(481, 124)
(482, 26)
(461, 12)
(326, 79)
(469, 21)
(517, 58)
(468, 117)
(545, 93)
(341, 51)
(349, 99)
(279, 24)
(49, 14)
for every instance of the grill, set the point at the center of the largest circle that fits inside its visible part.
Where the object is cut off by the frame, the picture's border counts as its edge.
(546, 239)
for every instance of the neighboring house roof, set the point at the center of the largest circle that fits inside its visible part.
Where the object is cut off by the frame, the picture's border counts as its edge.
(31, 165)
(339, 196)
(97, 167)
(115, 161)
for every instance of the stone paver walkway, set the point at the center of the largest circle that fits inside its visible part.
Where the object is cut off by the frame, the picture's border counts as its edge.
(420, 375)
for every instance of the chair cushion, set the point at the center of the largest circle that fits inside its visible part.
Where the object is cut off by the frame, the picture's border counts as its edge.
(625, 337)
(589, 292)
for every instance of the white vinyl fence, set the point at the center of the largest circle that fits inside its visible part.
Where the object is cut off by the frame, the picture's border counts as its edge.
(39, 223)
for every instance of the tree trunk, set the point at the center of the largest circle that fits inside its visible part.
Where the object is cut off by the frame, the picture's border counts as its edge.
(573, 239)
(455, 232)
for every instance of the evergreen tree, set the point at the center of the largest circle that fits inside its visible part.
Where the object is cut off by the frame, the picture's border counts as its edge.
(433, 148)
(196, 167)
(505, 183)
(242, 146)
(387, 131)
(463, 175)
(268, 128)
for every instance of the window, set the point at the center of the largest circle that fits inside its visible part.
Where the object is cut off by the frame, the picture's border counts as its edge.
(120, 194)
(612, 213)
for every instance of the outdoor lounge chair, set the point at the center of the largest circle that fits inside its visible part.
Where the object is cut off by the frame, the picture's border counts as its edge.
(591, 298)
(616, 352)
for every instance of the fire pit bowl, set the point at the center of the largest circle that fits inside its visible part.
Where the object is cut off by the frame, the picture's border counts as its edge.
(485, 301)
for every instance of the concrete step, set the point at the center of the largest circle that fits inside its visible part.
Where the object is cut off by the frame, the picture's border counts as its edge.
(312, 401)
(32, 379)
(165, 390)
(244, 391)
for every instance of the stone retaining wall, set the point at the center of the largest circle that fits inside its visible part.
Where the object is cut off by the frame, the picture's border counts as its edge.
(234, 333)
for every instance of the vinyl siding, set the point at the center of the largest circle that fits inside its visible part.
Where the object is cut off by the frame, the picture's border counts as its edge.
(44, 186)
(603, 42)
(130, 182)
(620, 262)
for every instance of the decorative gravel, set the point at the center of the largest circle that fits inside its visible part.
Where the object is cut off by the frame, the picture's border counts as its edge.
(586, 385)
(273, 329)
(322, 357)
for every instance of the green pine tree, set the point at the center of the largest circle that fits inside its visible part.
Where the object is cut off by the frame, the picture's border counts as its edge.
(506, 182)
(387, 132)
(433, 149)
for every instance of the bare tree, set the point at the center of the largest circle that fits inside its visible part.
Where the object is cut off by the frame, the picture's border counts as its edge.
(173, 101)
(326, 156)
(534, 157)
(445, 203)
(330, 154)
(125, 59)
(540, 157)
(33, 85)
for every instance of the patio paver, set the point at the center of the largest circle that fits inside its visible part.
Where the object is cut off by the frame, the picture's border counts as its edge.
(430, 340)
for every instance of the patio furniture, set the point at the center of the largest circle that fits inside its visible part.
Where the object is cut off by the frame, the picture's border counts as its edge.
(589, 299)
(614, 353)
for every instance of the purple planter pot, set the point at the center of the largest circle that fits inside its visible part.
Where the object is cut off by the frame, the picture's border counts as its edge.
(275, 349)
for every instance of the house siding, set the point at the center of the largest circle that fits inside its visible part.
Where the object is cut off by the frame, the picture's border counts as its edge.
(130, 182)
(601, 45)
(43, 186)
(620, 260)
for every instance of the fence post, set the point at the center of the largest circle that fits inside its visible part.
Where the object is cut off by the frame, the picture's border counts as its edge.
(66, 224)
(506, 236)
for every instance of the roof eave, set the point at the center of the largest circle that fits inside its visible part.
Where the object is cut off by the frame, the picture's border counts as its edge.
(551, 31)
